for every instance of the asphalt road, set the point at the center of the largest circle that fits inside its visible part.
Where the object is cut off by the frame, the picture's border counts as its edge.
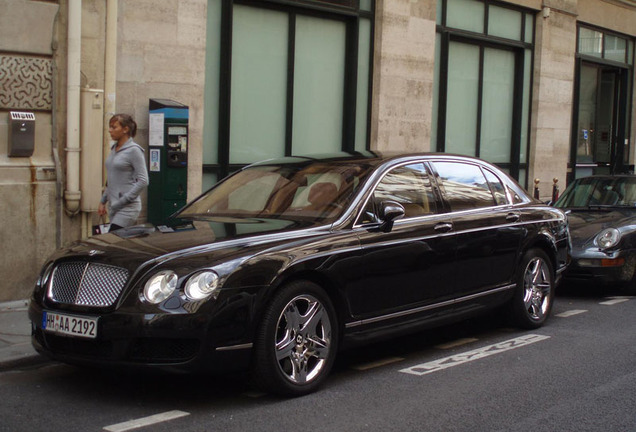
(575, 374)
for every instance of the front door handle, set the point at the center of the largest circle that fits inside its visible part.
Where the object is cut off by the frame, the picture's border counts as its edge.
(443, 227)
(513, 217)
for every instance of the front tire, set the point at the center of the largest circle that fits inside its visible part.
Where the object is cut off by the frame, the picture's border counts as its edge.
(296, 343)
(534, 294)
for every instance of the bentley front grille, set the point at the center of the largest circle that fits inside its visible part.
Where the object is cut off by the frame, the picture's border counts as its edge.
(87, 284)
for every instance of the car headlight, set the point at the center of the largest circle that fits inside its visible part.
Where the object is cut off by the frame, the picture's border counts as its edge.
(202, 285)
(607, 238)
(160, 286)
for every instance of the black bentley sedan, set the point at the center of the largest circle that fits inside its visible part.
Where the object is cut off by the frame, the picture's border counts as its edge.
(602, 220)
(285, 262)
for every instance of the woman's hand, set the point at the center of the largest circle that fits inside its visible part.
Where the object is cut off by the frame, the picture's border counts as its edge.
(101, 210)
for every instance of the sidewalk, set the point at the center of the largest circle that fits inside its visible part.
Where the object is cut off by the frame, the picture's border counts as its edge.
(15, 337)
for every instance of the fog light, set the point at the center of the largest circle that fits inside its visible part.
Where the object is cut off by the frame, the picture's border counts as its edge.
(606, 262)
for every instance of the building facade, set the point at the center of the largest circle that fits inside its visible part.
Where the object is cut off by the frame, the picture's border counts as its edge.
(543, 88)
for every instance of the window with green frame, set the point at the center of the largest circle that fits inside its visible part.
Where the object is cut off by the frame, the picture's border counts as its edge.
(605, 45)
(601, 120)
(482, 82)
(285, 79)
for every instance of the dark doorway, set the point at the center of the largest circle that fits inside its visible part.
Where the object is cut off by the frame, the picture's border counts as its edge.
(599, 138)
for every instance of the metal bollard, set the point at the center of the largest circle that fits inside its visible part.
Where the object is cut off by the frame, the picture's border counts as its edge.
(555, 189)
(536, 188)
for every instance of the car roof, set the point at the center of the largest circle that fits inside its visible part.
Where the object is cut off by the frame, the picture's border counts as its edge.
(367, 157)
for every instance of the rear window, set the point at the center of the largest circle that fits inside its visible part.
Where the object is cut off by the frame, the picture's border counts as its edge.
(497, 187)
(464, 185)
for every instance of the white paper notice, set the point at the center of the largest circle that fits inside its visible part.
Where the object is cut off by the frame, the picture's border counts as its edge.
(155, 132)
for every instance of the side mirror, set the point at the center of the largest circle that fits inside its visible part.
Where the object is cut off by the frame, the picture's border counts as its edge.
(390, 211)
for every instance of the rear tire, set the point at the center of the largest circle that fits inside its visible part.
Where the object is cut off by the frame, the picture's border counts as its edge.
(534, 294)
(296, 342)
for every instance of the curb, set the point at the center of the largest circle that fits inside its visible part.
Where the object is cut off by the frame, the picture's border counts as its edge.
(18, 352)
(24, 361)
(14, 305)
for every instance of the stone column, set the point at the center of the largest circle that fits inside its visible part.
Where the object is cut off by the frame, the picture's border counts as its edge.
(404, 67)
(553, 90)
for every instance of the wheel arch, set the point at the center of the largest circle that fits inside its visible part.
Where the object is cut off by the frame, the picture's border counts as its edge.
(331, 288)
(546, 242)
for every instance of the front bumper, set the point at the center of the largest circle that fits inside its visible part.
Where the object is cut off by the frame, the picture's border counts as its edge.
(166, 341)
(607, 268)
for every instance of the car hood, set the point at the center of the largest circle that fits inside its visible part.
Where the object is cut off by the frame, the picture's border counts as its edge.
(585, 225)
(130, 247)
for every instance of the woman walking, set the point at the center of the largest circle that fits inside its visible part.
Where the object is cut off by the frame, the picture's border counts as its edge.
(126, 174)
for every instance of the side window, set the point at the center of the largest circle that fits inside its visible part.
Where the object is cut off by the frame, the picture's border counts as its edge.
(516, 199)
(497, 188)
(408, 185)
(464, 185)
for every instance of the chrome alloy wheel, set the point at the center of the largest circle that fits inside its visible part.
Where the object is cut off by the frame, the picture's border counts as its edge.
(303, 339)
(537, 286)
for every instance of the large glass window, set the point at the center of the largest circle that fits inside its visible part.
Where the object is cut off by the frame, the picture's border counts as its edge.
(285, 78)
(257, 111)
(466, 14)
(462, 98)
(590, 42)
(482, 82)
(319, 64)
(495, 88)
(498, 96)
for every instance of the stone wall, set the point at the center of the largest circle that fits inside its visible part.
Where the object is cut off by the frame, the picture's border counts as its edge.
(404, 68)
(160, 54)
(165, 64)
(27, 184)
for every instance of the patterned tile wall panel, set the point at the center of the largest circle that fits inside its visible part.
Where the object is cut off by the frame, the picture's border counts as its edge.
(25, 83)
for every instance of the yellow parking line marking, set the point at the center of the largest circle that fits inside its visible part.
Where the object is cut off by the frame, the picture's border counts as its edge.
(378, 363)
(145, 421)
(570, 313)
(456, 343)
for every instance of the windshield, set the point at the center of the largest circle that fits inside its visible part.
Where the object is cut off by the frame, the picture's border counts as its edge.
(319, 191)
(592, 192)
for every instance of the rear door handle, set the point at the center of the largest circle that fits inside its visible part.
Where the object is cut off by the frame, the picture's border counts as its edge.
(443, 227)
(513, 217)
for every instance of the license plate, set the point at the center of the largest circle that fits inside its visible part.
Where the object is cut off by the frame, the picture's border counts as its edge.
(69, 325)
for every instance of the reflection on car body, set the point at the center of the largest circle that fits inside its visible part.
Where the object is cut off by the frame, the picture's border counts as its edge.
(602, 219)
(285, 262)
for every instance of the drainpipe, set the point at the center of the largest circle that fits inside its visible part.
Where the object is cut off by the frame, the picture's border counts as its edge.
(110, 77)
(72, 193)
(59, 172)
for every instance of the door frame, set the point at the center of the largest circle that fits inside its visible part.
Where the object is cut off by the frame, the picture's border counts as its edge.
(618, 157)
